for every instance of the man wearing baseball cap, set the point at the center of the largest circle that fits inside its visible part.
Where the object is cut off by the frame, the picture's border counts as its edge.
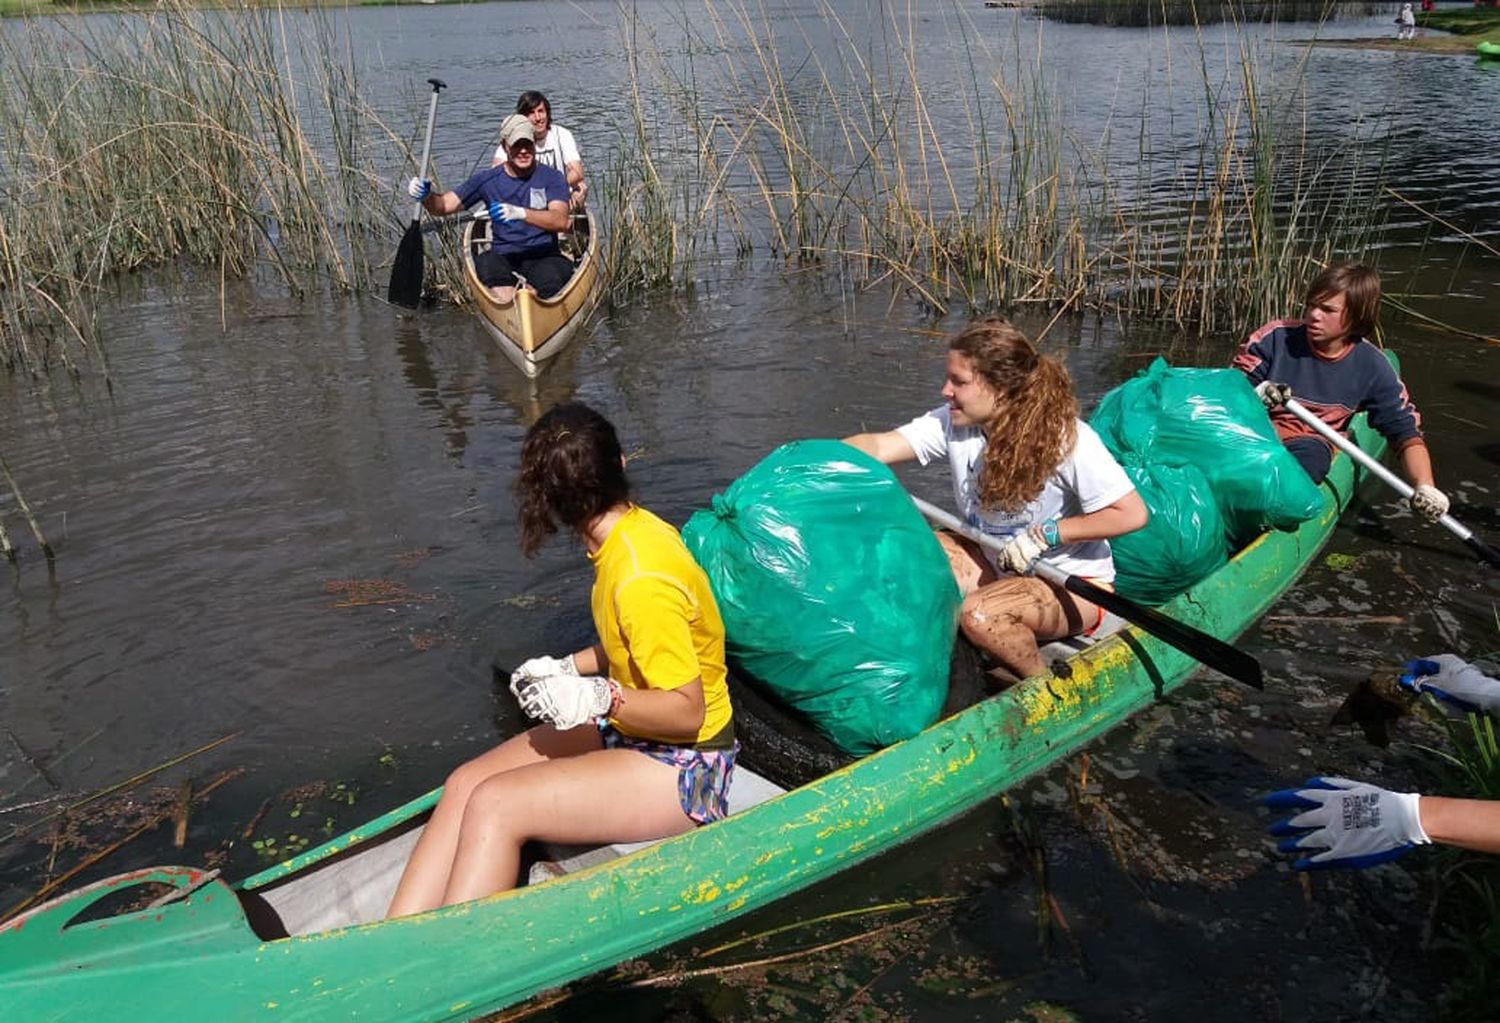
(527, 204)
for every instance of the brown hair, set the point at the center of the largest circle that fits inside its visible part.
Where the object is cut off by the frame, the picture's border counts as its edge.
(570, 474)
(1360, 286)
(1035, 422)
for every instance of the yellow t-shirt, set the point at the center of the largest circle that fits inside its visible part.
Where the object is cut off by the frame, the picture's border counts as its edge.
(657, 618)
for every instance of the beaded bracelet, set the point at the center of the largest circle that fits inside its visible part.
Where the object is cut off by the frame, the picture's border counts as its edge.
(616, 697)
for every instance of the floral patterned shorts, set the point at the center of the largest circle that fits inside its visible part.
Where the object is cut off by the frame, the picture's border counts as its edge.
(703, 776)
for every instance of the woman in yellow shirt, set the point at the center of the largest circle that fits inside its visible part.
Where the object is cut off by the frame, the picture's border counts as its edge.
(637, 740)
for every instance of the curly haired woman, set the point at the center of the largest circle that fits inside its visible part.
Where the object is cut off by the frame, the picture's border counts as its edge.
(1028, 472)
(637, 740)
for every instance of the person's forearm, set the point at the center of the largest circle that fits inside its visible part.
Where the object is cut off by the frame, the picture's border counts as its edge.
(1466, 823)
(548, 219)
(590, 661)
(1124, 516)
(885, 447)
(575, 174)
(441, 204)
(1417, 462)
(671, 714)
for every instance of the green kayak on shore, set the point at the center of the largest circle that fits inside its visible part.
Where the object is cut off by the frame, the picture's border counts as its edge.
(303, 940)
(1488, 50)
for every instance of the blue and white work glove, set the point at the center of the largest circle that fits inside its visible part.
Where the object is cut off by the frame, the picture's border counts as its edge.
(419, 188)
(1454, 681)
(1346, 823)
(541, 667)
(504, 211)
(565, 701)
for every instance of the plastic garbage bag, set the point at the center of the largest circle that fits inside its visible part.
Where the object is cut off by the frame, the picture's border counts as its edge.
(1210, 419)
(835, 594)
(1181, 543)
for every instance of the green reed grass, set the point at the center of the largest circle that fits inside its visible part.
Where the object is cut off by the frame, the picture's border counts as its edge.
(229, 140)
(833, 159)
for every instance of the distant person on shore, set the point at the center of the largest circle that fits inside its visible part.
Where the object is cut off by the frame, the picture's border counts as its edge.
(528, 206)
(1408, 22)
(1344, 823)
(1325, 361)
(555, 145)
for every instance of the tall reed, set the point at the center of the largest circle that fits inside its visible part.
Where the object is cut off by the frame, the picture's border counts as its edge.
(230, 140)
(828, 151)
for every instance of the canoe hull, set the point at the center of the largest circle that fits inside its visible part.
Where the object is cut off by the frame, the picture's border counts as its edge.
(531, 330)
(462, 961)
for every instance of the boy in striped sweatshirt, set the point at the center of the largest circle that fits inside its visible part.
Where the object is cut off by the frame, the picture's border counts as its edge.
(1326, 363)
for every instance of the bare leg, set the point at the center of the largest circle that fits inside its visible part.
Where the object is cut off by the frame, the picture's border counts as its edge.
(616, 795)
(425, 877)
(971, 569)
(503, 294)
(1007, 617)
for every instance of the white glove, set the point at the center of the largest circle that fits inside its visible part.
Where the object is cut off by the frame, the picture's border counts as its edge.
(506, 211)
(1454, 681)
(419, 188)
(1429, 502)
(541, 667)
(1273, 394)
(1020, 553)
(565, 701)
(1354, 824)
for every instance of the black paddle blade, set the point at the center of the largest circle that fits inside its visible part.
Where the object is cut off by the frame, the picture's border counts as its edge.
(406, 272)
(1197, 644)
(1484, 550)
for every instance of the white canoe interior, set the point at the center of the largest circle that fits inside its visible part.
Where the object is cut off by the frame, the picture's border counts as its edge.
(357, 887)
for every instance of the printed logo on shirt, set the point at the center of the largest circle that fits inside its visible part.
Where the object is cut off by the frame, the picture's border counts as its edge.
(538, 198)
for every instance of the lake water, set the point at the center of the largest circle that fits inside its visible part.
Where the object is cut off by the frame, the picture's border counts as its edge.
(292, 520)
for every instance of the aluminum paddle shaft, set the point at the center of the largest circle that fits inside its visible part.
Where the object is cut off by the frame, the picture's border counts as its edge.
(1396, 483)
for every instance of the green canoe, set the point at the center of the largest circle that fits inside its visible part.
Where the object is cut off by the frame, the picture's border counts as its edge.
(1488, 50)
(208, 950)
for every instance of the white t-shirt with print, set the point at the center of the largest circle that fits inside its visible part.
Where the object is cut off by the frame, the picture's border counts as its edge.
(559, 150)
(1087, 480)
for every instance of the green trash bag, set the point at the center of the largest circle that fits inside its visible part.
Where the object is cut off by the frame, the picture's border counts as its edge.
(835, 594)
(1210, 419)
(1181, 543)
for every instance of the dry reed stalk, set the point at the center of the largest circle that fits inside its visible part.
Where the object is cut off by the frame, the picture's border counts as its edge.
(26, 512)
(128, 783)
(156, 820)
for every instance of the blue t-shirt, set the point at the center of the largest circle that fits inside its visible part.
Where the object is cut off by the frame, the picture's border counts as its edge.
(517, 237)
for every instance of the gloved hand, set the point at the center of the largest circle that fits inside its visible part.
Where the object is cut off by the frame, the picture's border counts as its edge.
(505, 211)
(1429, 502)
(1455, 681)
(1272, 394)
(1020, 553)
(419, 188)
(1354, 824)
(565, 701)
(541, 667)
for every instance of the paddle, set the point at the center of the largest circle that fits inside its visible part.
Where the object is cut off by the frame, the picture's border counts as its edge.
(1199, 645)
(1396, 483)
(406, 272)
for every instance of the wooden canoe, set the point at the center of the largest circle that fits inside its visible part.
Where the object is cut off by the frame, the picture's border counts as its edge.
(528, 329)
(198, 956)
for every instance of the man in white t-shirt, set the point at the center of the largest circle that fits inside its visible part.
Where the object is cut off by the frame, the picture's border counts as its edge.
(555, 145)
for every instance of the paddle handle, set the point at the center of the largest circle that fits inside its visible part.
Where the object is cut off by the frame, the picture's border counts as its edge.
(1391, 480)
(438, 85)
